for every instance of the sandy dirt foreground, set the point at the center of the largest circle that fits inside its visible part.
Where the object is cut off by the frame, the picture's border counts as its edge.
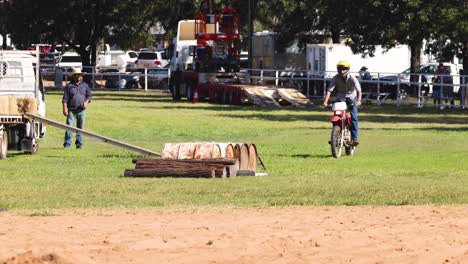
(400, 234)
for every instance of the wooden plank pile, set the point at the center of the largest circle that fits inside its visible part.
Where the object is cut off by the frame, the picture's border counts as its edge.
(293, 97)
(190, 168)
(268, 96)
(259, 95)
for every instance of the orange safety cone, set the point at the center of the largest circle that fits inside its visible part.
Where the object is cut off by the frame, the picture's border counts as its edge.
(195, 95)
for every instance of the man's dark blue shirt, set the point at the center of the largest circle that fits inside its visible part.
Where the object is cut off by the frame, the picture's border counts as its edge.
(75, 95)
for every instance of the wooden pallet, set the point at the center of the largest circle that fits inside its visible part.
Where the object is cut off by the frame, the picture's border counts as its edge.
(294, 97)
(260, 95)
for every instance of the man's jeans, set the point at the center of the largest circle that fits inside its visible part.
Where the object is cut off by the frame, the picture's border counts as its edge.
(79, 118)
(354, 119)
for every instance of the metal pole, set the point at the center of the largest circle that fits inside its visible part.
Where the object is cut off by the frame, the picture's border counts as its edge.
(378, 89)
(91, 135)
(146, 79)
(36, 89)
(93, 71)
(250, 21)
(420, 99)
(276, 79)
(398, 91)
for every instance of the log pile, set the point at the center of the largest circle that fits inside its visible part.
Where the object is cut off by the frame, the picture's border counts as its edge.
(189, 168)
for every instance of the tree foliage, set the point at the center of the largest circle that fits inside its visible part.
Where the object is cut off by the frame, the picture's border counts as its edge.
(367, 23)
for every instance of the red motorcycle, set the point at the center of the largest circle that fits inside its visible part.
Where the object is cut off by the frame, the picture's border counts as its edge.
(341, 134)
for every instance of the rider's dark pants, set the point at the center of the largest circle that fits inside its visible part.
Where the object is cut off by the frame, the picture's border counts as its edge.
(354, 119)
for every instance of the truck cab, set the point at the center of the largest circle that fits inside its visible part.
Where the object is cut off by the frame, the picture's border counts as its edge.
(184, 45)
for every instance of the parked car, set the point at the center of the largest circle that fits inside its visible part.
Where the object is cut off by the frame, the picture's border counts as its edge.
(157, 78)
(133, 57)
(122, 80)
(69, 61)
(151, 59)
(425, 75)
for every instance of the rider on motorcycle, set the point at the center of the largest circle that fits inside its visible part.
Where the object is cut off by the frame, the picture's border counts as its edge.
(347, 89)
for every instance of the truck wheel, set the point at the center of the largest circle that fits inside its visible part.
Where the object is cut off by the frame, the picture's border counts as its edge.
(175, 92)
(189, 91)
(33, 146)
(163, 85)
(3, 144)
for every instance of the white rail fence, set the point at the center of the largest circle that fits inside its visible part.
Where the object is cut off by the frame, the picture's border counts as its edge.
(393, 88)
(397, 88)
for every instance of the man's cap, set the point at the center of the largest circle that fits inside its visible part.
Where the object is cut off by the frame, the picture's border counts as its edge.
(364, 68)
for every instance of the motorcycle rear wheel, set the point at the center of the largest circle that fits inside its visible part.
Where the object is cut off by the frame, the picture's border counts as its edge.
(335, 142)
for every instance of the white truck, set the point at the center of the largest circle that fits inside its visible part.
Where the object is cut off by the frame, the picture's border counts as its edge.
(321, 59)
(116, 60)
(21, 91)
(184, 44)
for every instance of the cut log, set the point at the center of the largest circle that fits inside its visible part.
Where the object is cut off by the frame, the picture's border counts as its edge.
(232, 170)
(188, 173)
(179, 166)
(183, 168)
(191, 161)
(245, 173)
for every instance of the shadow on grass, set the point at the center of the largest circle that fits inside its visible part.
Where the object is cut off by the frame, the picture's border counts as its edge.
(15, 154)
(132, 97)
(125, 156)
(303, 156)
(387, 114)
(362, 117)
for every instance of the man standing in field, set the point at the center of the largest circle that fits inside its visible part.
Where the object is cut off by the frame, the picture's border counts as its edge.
(76, 97)
(347, 89)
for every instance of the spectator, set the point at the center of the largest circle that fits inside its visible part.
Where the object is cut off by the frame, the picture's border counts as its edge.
(76, 97)
(441, 91)
(364, 74)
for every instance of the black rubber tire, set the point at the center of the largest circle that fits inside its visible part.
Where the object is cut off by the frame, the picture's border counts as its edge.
(3, 145)
(189, 90)
(335, 141)
(175, 93)
(35, 148)
(163, 85)
(350, 150)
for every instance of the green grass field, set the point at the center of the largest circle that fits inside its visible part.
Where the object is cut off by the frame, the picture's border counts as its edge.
(407, 155)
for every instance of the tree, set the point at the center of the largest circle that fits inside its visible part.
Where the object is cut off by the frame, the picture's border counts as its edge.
(451, 36)
(80, 23)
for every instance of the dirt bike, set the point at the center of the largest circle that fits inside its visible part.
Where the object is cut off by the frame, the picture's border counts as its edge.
(341, 134)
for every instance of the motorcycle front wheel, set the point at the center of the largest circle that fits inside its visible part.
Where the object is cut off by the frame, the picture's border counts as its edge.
(336, 141)
(350, 150)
